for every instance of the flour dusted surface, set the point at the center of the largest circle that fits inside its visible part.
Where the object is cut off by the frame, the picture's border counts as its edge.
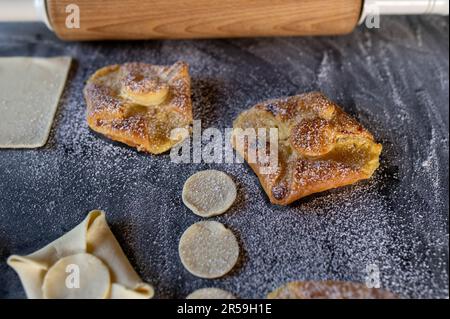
(393, 83)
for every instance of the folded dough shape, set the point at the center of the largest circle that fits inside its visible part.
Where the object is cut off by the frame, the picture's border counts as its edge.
(92, 236)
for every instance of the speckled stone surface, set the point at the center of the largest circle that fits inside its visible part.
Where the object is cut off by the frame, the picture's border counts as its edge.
(395, 81)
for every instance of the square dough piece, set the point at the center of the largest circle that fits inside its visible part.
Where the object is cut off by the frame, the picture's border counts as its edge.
(30, 89)
(320, 147)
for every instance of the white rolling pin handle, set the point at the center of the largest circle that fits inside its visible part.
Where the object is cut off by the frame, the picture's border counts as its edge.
(404, 7)
(24, 10)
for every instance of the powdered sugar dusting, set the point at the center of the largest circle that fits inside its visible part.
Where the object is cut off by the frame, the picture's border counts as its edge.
(398, 220)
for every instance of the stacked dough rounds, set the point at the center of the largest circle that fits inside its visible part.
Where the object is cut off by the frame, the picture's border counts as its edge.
(140, 104)
(207, 249)
(86, 263)
(328, 290)
(319, 146)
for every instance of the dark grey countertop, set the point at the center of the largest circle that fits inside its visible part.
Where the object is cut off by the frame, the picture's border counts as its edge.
(394, 80)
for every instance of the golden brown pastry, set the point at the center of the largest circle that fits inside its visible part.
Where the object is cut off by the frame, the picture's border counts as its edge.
(328, 290)
(319, 146)
(140, 104)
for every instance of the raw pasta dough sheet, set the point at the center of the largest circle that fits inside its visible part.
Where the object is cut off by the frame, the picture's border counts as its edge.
(30, 89)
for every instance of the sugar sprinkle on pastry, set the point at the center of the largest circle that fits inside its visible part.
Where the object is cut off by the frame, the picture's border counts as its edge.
(140, 104)
(319, 146)
(328, 290)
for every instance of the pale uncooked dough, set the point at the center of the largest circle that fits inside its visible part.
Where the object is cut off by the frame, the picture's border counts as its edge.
(93, 237)
(77, 276)
(29, 96)
(209, 193)
(210, 293)
(208, 250)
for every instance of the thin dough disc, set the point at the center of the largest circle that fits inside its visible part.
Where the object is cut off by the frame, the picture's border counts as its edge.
(208, 250)
(210, 293)
(209, 193)
(94, 279)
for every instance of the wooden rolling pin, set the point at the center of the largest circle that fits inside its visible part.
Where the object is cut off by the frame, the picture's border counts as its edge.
(155, 19)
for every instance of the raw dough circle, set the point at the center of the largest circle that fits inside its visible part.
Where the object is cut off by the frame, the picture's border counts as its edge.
(94, 279)
(209, 193)
(208, 250)
(210, 293)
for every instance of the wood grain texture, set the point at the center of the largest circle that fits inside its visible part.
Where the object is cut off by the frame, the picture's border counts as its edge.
(156, 19)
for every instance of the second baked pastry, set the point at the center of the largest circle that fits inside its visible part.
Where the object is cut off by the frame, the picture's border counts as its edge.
(319, 146)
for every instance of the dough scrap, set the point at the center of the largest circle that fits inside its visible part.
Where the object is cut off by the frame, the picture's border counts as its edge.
(93, 278)
(209, 193)
(319, 146)
(29, 96)
(210, 293)
(92, 236)
(208, 250)
(328, 290)
(141, 105)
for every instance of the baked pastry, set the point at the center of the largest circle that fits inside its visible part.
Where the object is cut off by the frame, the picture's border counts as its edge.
(85, 263)
(328, 290)
(319, 146)
(140, 104)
